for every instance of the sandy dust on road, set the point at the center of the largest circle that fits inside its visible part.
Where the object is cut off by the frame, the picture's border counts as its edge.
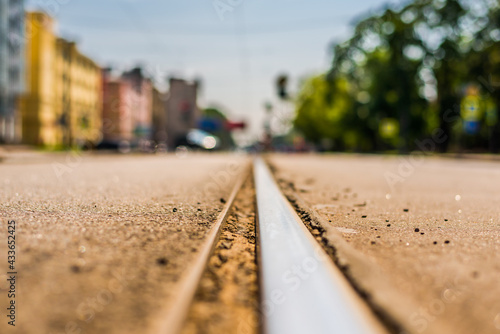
(427, 248)
(227, 299)
(102, 241)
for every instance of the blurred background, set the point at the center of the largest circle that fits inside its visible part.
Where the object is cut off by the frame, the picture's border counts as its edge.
(293, 76)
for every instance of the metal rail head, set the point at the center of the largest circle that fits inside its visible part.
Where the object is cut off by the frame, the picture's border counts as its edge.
(302, 290)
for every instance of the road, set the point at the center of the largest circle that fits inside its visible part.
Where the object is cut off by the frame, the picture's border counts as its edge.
(420, 236)
(103, 241)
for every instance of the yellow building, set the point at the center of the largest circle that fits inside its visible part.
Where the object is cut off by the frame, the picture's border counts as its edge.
(63, 104)
(78, 95)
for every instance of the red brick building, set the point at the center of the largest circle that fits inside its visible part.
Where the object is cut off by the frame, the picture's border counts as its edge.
(127, 107)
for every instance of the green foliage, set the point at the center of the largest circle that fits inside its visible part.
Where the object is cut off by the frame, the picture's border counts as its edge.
(404, 69)
(214, 113)
(318, 118)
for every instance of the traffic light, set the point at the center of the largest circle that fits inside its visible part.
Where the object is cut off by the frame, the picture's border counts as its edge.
(281, 84)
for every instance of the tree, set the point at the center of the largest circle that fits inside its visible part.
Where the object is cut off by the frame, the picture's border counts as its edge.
(406, 66)
(318, 117)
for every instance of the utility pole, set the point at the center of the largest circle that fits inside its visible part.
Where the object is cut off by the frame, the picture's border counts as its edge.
(268, 136)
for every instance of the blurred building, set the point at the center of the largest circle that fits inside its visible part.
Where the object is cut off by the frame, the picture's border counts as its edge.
(117, 121)
(141, 103)
(78, 95)
(12, 41)
(183, 113)
(63, 101)
(159, 117)
(127, 107)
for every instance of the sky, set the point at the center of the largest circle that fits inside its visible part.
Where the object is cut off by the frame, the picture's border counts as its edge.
(236, 47)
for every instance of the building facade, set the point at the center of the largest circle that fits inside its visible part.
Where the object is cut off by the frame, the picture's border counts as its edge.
(159, 118)
(117, 120)
(39, 121)
(127, 111)
(61, 107)
(183, 113)
(78, 97)
(12, 44)
(141, 103)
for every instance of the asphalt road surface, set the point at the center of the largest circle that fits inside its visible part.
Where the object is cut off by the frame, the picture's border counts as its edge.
(430, 228)
(101, 241)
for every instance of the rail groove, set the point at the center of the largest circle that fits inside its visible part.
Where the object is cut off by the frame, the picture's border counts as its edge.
(176, 313)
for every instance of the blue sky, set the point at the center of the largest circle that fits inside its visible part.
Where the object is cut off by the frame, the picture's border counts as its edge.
(237, 52)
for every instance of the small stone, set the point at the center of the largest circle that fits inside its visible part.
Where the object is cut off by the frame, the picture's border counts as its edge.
(417, 230)
(388, 225)
(406, 210)
(162, 261)
(422, 233)
(373, 242)
(364, 216)
(216, 262)
(447, 241)
(223, 201)
(435, 242)
(446, 220)
(174, 209)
